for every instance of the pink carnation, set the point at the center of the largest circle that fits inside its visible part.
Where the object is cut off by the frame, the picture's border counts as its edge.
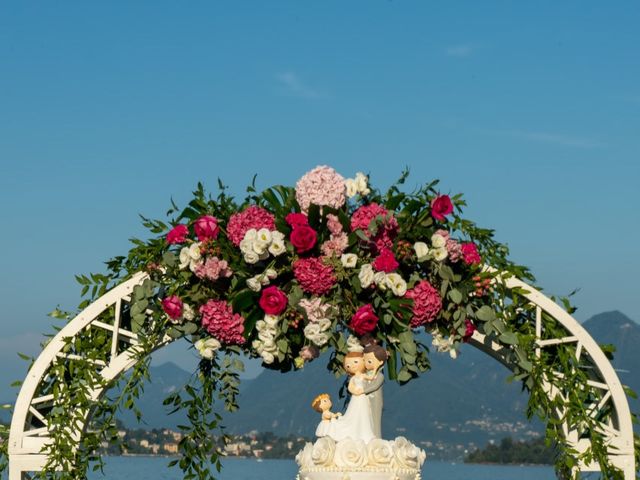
(333, 224)
(336, 245)
(426, 303)
(213, 268)
(362, 218)
(321, 186)
(177, 234)
(313, 275)
(454, 249)
(470, 253)
(385, 262)
(252, 217)
(219, 320)
(316, 309)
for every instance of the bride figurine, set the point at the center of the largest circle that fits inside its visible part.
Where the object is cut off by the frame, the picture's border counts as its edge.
(357, 421)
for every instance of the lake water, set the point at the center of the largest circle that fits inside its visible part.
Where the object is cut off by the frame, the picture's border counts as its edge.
(155, 468)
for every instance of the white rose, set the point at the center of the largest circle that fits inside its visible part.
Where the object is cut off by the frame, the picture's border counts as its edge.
(187, 312)
(267, 357)
(439, 254)
(303, 458)
(185, 258)
(380, 452)
(396, 283)
(380, 278)
(422, 251)
(366, 275)
(350, 453)
(254, 284)
(264, 235)
(349, 260)
(271, 273)
(277, 247)
(251, 234)
(271, 320)
(362, 183)
(438, 241)
(407, 455)
(251, 257)
(351, 186)
(323, 451)
(353, 344)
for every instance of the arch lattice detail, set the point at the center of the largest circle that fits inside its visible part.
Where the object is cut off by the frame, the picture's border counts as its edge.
(29, 430)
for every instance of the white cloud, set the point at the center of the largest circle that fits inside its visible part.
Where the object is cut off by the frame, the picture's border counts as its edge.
(294, 86)
(463, 50)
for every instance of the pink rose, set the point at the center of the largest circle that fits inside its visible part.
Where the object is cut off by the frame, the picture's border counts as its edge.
(178, 234)
(296, 219)
(172, 306)
(470, 253)
(385, 262)
(206, 227)
(364, 320)
(303, 237)
(441, 206)
(273, 301)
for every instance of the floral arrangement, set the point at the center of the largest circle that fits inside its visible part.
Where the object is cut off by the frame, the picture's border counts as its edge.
(294, 271)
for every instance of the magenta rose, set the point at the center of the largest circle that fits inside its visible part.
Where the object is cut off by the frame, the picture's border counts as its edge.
(303, 237)
(364, 320)
(385, 262)
(178, 234)
(469, 328)
(470, 253)
(296, 219)
(441, 206)
(206, 227)
(273, 301)
(172, 306)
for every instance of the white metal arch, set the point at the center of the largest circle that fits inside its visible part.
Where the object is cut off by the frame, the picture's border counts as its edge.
(29, 432)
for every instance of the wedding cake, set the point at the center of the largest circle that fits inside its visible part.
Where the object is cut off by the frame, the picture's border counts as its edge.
(349, 445)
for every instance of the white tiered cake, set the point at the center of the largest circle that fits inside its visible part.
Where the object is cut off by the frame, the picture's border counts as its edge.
(351, 459)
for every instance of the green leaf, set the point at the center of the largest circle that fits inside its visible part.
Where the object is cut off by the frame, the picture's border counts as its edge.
(485, 313)
(170, 259)
(455, 296)
(510, 338)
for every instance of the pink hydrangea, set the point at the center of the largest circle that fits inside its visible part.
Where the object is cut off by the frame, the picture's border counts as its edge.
(213, 268)
(252, 217)
(362, 217)
(470, 253)
(336, 245)
(219, 320)
(313, 275)
(426, 303)
(321, 186)
(454, 249)
(333, 224)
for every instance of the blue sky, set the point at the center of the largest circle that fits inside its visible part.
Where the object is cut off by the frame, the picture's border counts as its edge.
(108, 109)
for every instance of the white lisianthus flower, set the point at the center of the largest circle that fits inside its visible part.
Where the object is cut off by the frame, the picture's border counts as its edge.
(422, 251)
(256, 345)
(254, 284)
(396, 283)
(351, 187)
(271, 320)
(263, 279)
(246, 245)
(251, 234)
(438, 241)
(271, 273)
(259, 246)
(362, 184)
(251, 257)
(267, 357)
(313, 332)
(349, 260)
(264, 236)
(366, 275)
(380, 279)
(268, 344)
(353, 344)
(277, 236)
(439, 254)
(277, 248)
(185, 258)
(207, 347)
(325, 324)
(187, 312)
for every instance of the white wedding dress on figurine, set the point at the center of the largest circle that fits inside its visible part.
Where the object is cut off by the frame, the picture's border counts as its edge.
(356, 423)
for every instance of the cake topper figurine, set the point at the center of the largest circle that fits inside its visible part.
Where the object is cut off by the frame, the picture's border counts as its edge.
(374, 358)
(322, 404)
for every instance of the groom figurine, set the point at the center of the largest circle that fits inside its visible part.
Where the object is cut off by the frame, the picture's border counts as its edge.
(374, 358)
